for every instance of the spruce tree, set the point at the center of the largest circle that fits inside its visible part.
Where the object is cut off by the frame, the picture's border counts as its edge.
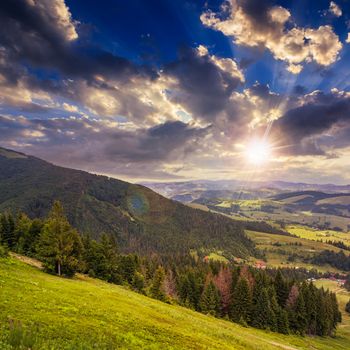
(282, 321)
(7, 224)
(281, 289)
(22, 233)
(210, 300)
(300, 315)
(241, 302)
(59, 244)
(262, 310)
(157, 288)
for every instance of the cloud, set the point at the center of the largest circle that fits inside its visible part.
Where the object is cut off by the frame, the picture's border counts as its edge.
(348, 39)
(318, 118)
(102, 146)
(202, 83)
(255, 23)
(334, 9)
(43, 34)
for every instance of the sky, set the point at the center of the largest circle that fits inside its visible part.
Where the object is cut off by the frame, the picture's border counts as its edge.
(178, 90)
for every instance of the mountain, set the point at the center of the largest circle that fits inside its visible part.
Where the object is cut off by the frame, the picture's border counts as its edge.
(189, 191)
(142, 220)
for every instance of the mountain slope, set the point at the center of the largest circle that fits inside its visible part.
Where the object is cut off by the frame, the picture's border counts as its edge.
(142, 220)
(74, 314)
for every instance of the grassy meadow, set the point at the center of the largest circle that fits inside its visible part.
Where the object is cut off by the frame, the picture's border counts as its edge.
(84, 313)
(318, 235)
(279, 248)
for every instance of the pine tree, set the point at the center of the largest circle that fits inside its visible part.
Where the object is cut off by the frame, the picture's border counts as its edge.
(273, 309)
(282, 321)
(22, 233)
(157, 288)
(300, 315)
(281, 289)
(138, 282)
(59, 244)
(241, 302)
(262, 310)
(210, 300)
(7, 225)
(311, 307)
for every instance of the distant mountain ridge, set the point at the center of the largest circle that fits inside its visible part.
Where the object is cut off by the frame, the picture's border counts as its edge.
(142, 220)
(189, 191)
(235, 189)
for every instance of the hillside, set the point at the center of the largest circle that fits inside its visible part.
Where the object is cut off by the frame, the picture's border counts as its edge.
(142, 220)
(85, 313)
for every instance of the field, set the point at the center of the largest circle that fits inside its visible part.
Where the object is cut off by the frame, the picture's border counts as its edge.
(273, 210)
(279, 248)
(84, 313)
(319, 235)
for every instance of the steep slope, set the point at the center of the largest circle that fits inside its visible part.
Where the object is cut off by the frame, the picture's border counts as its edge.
(142, 220)
(84, 313)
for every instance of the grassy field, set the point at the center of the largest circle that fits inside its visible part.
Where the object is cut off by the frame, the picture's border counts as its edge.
(278, 248)
(84, 313)
(319, 235)
(252, 209)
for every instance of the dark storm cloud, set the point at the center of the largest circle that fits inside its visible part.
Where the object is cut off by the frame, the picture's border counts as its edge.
(258, 12)
(97, 145)
(204, 88)
(303, 127)
(34, 33)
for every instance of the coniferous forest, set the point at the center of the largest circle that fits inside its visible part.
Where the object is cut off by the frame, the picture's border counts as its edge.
(277, 300)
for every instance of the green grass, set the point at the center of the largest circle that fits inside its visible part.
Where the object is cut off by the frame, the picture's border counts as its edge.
(275, 257)
(82, 313)
(318, 235)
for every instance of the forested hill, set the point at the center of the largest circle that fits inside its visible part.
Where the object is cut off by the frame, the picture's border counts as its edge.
(142, 221)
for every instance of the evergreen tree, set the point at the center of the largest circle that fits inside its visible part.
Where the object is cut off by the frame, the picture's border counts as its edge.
(281, 289)
(59, 244)
(273, 309)
(282, 321)
(157, 288)
(347, 307)
(138, 282)
(210, 300)
(22, 234)
(262, 310)
(300, 315)
(241, 302)
(311, 307)
(7, 225)
(101, 258)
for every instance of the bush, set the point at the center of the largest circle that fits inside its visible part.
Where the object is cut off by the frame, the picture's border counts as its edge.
(3, 252)
(347, 307)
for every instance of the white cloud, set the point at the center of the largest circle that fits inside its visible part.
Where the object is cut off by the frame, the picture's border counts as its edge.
(58, 14)
(335, 9)
(70, 108)
(294, 46)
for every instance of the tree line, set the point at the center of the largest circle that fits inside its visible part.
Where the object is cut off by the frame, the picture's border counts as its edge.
(275, 300)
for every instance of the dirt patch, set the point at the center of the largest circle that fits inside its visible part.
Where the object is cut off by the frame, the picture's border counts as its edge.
(30, 261)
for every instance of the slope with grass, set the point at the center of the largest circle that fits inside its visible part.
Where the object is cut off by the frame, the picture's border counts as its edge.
(287, 251)
(142, 220)
(85, 313)
(319, 235)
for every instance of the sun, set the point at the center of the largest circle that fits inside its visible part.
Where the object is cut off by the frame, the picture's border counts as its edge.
(258, 152)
